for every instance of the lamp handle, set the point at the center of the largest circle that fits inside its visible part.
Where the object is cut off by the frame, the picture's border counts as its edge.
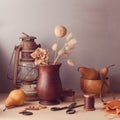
(16, 62)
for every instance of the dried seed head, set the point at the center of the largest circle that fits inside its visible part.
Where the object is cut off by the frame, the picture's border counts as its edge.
(69, 37)
(70, 62)
(66, 53)
(54, 46)
(68, 48)
(60, 31)
(72, 42)
(60, 52)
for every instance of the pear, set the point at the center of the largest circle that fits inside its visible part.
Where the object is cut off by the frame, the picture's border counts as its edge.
(104, 71)
(89, 73)
(15, 98)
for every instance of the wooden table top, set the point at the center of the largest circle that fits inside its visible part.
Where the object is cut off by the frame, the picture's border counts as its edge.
(46, 114)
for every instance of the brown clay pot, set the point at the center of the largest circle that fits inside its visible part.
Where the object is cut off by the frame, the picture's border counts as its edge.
(93, 86)
(49, 87)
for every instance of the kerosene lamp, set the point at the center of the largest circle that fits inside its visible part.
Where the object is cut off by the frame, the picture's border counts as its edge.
(25, 71)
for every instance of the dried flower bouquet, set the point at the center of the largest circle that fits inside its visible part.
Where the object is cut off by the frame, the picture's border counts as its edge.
(42, 56)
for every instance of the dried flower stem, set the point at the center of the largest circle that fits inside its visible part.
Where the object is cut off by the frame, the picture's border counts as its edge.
(56, 59)
(58, 56)
(56, 50)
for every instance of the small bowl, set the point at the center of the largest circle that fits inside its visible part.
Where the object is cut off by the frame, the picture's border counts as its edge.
(93, 86)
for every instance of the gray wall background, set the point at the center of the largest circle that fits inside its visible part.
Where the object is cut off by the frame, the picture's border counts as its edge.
(94, 23)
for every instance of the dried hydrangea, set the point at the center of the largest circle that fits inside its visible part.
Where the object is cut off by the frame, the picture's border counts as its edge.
(41, 56)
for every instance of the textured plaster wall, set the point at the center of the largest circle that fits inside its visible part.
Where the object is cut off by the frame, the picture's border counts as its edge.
(94, 23)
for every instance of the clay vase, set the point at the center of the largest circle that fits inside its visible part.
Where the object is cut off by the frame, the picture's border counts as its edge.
(49, 86)
(93, 86)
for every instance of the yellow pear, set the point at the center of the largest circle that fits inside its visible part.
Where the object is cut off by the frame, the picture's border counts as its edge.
(15, 98)
(104, 71)
(89, 73)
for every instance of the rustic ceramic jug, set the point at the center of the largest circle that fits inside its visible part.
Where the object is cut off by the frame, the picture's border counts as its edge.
(49, 87)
